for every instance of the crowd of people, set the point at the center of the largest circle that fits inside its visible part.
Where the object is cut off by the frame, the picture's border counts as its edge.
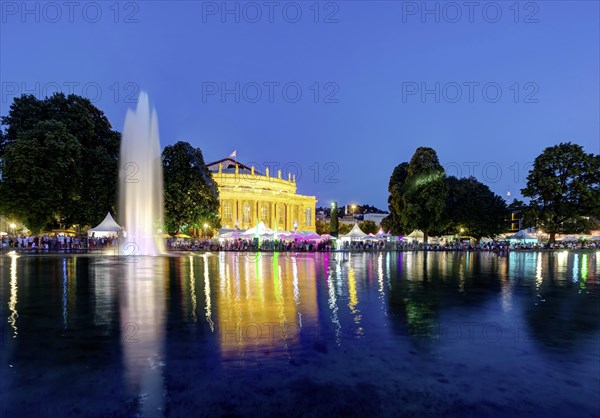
(59, 242)
(54, 242)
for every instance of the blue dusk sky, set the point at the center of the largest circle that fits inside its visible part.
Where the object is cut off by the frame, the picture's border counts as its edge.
(339, 93)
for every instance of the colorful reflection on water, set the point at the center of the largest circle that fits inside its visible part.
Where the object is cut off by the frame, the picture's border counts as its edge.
(221, 333)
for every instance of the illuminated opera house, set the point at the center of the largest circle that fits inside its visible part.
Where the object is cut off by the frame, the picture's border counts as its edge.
(247, 196)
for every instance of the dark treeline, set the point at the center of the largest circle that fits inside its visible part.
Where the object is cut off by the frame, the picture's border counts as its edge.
(563, 187)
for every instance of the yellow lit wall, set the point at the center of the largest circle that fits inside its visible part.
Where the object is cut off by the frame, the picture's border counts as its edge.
(247, 197)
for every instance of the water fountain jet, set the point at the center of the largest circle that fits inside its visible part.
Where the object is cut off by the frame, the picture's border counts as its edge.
(141, 182)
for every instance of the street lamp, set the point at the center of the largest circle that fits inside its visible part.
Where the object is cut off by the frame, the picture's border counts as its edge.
(353, 207)
(13, 227)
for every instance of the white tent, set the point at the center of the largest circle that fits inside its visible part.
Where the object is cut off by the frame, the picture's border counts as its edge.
(419, 236)
(260, 229)
(107, 227)
(569, 238)
(355, 233)
(232, 234)
(524, 236)
(416, 235)
(382, 234)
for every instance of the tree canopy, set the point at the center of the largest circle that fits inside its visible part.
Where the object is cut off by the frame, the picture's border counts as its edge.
(424, 192)
(564, 187)
(393, 222)
(333, 221)
(59, 162)
(191, 195)
(368, 227)
(473, 209)
(422, 197)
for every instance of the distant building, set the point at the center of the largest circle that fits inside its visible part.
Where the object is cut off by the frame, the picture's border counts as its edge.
(375, 217)
(515, 221)
(348, 219)
(247, 196)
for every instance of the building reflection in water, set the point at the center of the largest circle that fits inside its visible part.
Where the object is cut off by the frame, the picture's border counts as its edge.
(142, 313)
(261, 307)
(207, 294)
(69, 288)
(334, 272)
(506, 293)
(12, 302)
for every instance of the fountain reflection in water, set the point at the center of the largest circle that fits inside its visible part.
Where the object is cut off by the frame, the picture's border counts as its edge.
(140, 182)
(142, 314)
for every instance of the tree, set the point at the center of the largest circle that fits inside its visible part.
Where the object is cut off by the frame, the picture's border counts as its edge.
(368, 227)
(344, 228)
(473, 209)
(564, 187)
(424, 193)
(63, 151)
(322, 227)
(191, 196)
(333, 220)
(393, 222)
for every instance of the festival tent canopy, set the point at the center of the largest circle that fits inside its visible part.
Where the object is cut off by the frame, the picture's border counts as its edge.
(259, 229)
(327, 236)
(312, 236)
(416, 235)
(232, 234)
(382, 234)
(419, 236)
(524, 236)
(569, 238)
(355, 233)
(106, 227)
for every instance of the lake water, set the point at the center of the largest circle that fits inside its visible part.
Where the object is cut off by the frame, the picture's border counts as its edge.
(362, 334)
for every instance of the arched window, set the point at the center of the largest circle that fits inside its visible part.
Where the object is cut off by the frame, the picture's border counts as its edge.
(227, 212)
(264, 212)
(280, 214)
(308, 220)
(246, 212)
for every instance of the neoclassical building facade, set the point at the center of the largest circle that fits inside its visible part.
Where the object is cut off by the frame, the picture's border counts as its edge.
(247, 196)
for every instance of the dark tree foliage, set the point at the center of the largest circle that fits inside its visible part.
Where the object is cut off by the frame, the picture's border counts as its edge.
(322, 227)
(368, 209)
(473, 209)
(424, 193)
(333, 221)
(344, 228)
(59, 162)
(564, 187)
(393, 221)
(368, 227)
(191, 196)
